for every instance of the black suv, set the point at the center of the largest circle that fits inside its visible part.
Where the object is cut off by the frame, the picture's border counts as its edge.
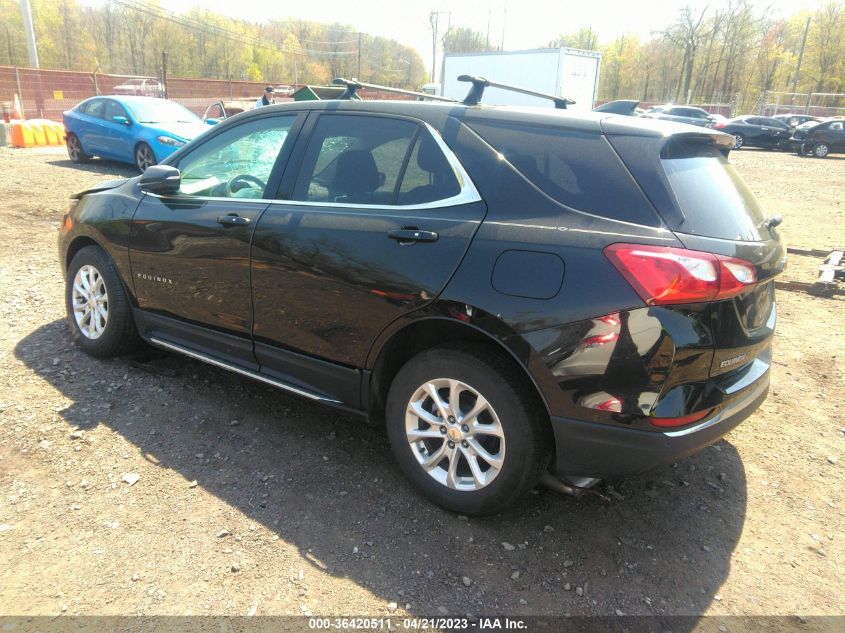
(512, 292)
(820, 139)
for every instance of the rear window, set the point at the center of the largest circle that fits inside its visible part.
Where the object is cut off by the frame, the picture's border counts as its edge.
(713, 199)
(578, 169)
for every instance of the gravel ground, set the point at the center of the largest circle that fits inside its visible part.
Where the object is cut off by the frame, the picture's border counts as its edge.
(153, 484)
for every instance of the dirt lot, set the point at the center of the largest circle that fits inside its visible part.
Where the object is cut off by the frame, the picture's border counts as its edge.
(249, 501)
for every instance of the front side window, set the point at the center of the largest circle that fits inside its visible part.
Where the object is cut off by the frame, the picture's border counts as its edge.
(238, 162)
(374, 161)
(113, 109)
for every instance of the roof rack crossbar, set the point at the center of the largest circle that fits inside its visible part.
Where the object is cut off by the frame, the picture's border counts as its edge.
(480, 83)
(353, 85)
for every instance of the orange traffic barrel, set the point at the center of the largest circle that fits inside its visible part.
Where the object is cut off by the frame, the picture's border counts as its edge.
(21, 134)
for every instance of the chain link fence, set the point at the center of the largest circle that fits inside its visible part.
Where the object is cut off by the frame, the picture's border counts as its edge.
(818, 104)
(45, 94)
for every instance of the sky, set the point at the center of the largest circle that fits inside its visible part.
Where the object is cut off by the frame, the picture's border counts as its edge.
(521, 24)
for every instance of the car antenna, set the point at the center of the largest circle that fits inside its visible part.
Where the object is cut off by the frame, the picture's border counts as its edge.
(480, 83)
(353, 85)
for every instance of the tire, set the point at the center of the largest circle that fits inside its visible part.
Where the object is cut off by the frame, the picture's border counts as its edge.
(821, 150)
(144, 157)
(74, 150)
(518, 439)
(739, 141)
(98, 308)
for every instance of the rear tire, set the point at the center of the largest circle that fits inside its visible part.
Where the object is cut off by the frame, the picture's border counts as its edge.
(507, 437)
(739, 141)
(821, 150)
(74, 150)
(98, 308)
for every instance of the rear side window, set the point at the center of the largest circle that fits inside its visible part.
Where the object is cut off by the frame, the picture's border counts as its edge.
(713, 199)
(95, 108)
(428, 175)
(375, 161)
(577, 169)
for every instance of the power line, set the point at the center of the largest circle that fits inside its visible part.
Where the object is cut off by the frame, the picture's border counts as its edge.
(211, 29)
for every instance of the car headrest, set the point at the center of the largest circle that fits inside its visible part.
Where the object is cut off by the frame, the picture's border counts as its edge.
(356, 172)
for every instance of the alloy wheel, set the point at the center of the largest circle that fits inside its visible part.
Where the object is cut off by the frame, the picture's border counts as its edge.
(144, 158)
(455, 434)
(90, 300)
(739, 141)
(821, 150)
(73, 148)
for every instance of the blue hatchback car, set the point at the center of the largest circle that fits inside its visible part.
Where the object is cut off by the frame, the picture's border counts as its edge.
(137, 130)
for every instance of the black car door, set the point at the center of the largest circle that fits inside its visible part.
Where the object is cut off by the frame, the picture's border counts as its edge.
(755, 133)
(836, 134)
(190, 252)
(381, 214)
(774, 131)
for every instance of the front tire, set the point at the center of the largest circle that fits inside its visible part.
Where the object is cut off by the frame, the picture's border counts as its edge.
(98, 308)
(467, 429)
(821, 150)
(74, 150)
(144, 157)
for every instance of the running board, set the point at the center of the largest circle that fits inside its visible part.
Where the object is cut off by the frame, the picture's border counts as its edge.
(173, 347)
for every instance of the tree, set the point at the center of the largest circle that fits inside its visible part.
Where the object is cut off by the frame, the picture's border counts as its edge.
(584, 38)
(464, 40)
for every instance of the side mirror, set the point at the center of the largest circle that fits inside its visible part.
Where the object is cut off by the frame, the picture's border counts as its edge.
(212, 121)
(162, 180)
(120, 119)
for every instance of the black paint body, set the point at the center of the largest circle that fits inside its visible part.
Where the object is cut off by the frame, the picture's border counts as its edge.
(316, 297)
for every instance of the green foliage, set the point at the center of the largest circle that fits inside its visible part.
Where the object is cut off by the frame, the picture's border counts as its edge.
(128, 37)
(734, 54)
(464, 40)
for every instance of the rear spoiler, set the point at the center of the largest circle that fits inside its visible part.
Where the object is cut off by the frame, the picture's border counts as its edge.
(672, 133)
(680, 145)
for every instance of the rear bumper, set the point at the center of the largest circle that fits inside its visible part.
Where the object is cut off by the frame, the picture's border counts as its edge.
(600, 450)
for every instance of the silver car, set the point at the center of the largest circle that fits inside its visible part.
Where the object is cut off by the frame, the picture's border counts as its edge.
(681, 114)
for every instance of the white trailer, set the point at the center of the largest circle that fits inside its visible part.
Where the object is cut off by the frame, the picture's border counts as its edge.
(563, 72)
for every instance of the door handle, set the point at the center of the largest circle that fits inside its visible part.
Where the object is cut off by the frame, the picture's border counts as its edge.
(410, 234)
(232, 220)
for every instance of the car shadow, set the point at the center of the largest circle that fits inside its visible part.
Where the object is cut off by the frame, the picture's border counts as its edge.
(98, 166)
(325, 482)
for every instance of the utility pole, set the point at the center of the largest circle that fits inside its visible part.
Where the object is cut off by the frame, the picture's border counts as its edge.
(800, 56)
(434, 20)
(30, 34)
(504, 24)
(164, 72)
(358, 75)
(487, 41)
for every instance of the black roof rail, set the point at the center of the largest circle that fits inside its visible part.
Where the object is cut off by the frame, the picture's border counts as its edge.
(480, 83)
(353, 85)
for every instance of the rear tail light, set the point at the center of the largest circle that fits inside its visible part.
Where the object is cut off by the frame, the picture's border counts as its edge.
(663, 275)
(719, 126)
